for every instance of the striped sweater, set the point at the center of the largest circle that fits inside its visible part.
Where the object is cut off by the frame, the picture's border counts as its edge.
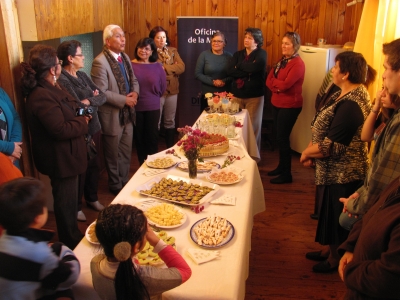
(31, 269)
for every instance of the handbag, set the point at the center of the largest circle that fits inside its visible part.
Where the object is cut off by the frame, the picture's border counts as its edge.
(90, 147)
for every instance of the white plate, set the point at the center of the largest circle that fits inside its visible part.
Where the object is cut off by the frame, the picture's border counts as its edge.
(146, 204)
(149, 161)
(88, 236)
(151, 182)
(184, 166)
(225, 241)
(233, 170)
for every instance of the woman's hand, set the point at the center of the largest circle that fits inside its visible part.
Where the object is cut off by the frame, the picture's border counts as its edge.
(308, 163)
(218, 83)
(17, 150)
(88, 118)
(151, 236)
(346, 258)
(86, 102)
(96, 92)
(346, 200)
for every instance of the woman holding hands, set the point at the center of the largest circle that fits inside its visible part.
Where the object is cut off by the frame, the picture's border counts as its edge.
(339, 155)
(211, 68)
(285, 81)
(247, 68)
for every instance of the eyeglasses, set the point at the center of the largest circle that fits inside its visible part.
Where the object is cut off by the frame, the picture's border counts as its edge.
(217, 41)
(79, 55)
(145, 49)
(60, 62)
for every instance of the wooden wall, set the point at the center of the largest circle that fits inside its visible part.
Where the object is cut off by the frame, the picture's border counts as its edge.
(330, 19)
(58, 18)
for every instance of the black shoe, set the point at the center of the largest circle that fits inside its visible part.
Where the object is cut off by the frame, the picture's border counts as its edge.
(316, 255)
(115, 192)
(282, 179)
(324, 267)
(275, 172)
(314, 216)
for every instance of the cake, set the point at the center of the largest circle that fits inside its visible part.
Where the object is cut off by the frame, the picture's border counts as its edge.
(214, 144)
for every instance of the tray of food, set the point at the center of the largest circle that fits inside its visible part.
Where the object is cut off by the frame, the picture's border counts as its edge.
(179, 190)
(148, 257)
(90, 234)
(205, 166)
(161, 214)
(225, 176)
(160, 162)
(212, 232)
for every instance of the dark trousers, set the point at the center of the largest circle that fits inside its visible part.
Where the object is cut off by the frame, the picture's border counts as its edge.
(65, 194)
(284, 119)
(89, 181)
(146, 133)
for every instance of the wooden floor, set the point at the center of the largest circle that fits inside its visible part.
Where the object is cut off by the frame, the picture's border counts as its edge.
(281, 237)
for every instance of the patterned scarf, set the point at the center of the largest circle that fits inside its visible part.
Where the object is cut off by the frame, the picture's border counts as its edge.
(282, 64)
(126, 114)
(164, 54)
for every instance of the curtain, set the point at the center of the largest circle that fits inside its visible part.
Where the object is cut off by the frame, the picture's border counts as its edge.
(379, 24)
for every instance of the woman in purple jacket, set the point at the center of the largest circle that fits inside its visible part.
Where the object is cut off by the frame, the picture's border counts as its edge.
(152, 81)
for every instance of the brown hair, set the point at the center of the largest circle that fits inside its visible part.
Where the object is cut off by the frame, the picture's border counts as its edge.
(392, 51)
(41, 59)
(156, 30)
(294, 37)
(355, 64)
(21, 201)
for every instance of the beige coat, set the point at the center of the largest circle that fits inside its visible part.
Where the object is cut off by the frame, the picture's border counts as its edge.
(173, 68)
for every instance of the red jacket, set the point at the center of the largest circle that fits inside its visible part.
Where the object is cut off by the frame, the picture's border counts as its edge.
(287, 87)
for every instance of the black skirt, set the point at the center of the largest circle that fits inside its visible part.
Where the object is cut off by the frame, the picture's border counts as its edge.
(329, 231)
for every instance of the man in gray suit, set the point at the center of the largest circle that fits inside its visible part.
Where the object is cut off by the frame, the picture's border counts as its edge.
(112, 73)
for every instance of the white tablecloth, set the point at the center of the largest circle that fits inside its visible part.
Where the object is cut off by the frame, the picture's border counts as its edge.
(223, 278)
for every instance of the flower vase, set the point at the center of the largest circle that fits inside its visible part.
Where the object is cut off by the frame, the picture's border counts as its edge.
(192, 168)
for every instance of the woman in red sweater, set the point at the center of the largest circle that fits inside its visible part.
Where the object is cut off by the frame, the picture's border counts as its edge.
(285, 81)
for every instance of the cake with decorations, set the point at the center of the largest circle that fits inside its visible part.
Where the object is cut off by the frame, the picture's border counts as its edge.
(214, 144)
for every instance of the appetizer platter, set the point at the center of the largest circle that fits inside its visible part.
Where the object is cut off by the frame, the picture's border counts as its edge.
(212, 232)
(161, 214)
(180, 190)
(90, 234)
(148, 257)
(225, 176)
(205, 166)
(161, 162)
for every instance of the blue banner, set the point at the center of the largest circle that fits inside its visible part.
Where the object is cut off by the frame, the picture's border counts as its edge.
(194, 36)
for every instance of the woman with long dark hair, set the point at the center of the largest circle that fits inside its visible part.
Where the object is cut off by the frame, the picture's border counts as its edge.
(122, 231)
(57, 133)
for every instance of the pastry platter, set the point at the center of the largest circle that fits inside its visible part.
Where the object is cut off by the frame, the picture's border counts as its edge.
(211, 245)
(202, 167)
(170, 214)
(184, 191)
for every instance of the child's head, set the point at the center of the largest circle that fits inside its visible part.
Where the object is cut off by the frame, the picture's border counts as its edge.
(22, 204)
(119, 228)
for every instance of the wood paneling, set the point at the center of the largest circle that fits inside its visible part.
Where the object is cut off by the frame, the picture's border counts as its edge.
(58, 18)
(330, 19)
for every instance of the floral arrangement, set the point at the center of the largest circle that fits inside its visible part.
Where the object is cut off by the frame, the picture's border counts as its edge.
(229, 160)
(192, 144)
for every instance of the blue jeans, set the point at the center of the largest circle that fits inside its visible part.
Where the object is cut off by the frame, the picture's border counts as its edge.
(347, 222)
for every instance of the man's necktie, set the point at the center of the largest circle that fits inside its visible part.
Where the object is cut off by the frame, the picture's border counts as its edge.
(119, 59)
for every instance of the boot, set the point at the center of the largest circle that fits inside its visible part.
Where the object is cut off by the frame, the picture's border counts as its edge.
(278, 169)
(286, 174)
(170, 137)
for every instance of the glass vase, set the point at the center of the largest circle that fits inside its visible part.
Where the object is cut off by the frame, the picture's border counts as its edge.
(192, 168)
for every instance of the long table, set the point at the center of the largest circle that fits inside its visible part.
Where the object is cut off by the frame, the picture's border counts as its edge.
(222, 278)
